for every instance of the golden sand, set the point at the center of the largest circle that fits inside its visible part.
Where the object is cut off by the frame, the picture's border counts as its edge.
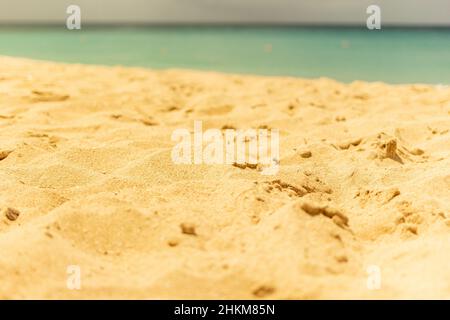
(87, 180)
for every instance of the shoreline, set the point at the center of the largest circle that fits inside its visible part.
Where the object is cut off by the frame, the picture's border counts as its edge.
(215, 72)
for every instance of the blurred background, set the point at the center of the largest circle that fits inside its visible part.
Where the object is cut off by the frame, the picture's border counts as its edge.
(306, 38)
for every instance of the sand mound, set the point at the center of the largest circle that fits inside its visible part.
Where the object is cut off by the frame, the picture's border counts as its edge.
(87, 180)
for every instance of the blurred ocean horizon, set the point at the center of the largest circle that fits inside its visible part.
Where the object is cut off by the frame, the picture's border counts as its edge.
(392, 55)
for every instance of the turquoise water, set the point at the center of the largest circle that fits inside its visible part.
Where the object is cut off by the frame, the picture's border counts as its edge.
(346, 54)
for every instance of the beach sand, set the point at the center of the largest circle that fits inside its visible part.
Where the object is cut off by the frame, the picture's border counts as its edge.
(359, 209)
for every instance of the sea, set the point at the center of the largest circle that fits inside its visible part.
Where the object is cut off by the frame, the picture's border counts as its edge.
(392, 55)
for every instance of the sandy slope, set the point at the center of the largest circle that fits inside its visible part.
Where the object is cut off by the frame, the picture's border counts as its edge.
(86, 162)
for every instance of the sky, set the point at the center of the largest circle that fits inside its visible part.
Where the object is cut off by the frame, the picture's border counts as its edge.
(394, 12)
